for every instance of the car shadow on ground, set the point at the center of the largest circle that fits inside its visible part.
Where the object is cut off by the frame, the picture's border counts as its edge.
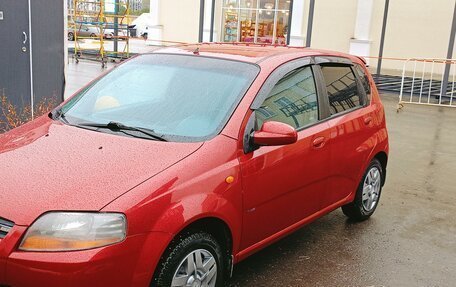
(310, 255)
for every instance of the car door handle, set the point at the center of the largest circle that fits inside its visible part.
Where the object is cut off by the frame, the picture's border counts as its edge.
(319, 142)
(368, 120)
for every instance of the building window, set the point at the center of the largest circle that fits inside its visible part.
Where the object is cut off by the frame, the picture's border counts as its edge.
(255, 21)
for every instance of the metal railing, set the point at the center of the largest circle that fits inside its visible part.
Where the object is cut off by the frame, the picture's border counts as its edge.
(425, 82)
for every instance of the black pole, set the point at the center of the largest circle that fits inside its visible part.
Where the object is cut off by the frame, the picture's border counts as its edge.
(211, 37)
(201, 22)
(290, 15)
(446, 74)
(382, 38)
(310, 23)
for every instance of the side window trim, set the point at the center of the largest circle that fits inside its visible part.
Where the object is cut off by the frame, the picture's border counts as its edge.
(366, 100)
(360, 87)
(333, 60)
(322, 92)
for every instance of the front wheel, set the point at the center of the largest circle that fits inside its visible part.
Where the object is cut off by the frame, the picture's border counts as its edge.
(368, 193)
(192, 260)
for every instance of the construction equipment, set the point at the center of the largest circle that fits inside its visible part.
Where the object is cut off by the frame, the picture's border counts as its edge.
(97, 27)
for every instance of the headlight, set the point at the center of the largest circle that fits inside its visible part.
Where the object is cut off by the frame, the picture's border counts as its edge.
(70, 231)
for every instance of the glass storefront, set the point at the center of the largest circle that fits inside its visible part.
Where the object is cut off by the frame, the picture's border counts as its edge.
(256, 21)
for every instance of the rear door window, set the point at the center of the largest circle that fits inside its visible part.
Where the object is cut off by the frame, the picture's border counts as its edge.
(342, 88)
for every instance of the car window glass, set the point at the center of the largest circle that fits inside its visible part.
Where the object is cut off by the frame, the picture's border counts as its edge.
(364, 80)
(293, 100)
(185, 98)
(342, 88)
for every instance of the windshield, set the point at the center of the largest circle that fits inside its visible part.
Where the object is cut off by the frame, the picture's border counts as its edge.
(179, 97)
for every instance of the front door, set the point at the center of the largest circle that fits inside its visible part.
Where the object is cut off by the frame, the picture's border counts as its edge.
(284, 184)
(15, 75)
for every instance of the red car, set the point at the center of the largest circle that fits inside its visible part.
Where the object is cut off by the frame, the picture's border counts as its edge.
(178, 164)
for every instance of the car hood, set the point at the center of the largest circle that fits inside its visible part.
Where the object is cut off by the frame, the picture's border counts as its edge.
(46, 166)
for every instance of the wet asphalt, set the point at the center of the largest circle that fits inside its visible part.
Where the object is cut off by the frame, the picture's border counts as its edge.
(411, 238)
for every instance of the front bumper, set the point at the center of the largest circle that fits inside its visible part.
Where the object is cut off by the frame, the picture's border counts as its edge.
(129, 263)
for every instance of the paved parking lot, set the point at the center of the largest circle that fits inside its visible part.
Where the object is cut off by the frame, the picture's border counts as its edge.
(410, 240)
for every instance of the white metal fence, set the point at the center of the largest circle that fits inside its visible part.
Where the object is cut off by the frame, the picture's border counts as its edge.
(424, 82)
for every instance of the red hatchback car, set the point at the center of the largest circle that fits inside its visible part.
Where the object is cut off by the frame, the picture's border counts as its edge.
(178, 164)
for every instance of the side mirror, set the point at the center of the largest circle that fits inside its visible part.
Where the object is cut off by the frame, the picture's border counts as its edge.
(275, 133)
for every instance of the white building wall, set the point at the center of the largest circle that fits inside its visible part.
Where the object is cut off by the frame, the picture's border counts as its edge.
(174, 21)
(418, 29)
(334, 24)
(414, 29)
(297, 32)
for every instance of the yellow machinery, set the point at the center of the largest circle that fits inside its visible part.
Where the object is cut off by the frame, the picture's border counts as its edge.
(100, 29)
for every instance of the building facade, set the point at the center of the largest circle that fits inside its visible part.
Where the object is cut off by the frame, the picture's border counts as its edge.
(418, 29)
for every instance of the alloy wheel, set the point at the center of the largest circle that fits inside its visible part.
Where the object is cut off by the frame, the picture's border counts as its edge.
(198, 269)
(371, 188)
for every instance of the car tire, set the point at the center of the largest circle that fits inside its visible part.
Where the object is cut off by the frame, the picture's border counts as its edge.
(70, 36)
(93, 35)
(368, 193)
(183, 252)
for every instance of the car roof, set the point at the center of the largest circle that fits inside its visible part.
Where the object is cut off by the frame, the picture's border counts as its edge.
(249, 52)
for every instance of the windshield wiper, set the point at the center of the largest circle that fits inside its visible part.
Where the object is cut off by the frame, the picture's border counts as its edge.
(115, 126)
(57, 114)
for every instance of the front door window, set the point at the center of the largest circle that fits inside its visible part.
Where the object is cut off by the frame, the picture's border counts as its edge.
(293, 101)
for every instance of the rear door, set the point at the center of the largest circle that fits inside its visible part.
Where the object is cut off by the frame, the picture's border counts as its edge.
(285, 184)
(351, 125)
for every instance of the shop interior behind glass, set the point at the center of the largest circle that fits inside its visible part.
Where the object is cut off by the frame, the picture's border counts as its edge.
(255, 21)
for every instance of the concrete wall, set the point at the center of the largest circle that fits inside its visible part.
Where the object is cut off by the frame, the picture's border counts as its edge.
(333, 25)
(416, 29)
(180, 20)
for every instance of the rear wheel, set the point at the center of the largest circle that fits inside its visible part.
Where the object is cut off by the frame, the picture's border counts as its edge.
(368, 193)
(194, 260)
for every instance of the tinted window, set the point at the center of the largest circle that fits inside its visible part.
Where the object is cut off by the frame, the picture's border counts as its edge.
(364, 79)
(342, 88)
(183, 98)
(293, 100)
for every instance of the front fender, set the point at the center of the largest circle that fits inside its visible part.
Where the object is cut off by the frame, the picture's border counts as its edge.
(193, 189)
